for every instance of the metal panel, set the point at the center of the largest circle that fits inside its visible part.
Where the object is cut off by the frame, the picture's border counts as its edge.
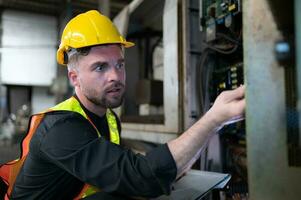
(171, 66)
(192, 39)
(270, 177)
(172, 111)
(28, 48)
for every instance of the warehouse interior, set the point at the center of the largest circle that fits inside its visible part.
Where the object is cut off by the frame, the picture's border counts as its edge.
(186, 53)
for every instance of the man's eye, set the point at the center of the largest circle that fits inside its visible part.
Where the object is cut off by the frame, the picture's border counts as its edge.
(100, 67)
(120, 65)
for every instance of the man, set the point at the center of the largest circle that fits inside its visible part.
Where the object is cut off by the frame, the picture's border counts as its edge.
(74, 148)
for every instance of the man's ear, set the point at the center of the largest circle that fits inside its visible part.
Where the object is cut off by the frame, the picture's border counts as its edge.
(73, 77)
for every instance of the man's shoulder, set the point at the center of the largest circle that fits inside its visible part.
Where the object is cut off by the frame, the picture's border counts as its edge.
(67, 128)
(62, 120)
(54, 117)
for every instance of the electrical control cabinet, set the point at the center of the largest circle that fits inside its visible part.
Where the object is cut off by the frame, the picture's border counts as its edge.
(232, 42)
(210, 46)
(221, 68)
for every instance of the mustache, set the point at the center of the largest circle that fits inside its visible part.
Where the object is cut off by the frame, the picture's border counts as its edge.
(115, 85)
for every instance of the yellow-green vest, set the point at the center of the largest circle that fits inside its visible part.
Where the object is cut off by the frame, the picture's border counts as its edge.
(73, 105)
(10, 170)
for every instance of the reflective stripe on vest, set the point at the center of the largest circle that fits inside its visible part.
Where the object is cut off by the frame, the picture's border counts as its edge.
(9, 171)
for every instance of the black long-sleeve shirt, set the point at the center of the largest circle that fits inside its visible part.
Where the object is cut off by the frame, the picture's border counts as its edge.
(65, 153)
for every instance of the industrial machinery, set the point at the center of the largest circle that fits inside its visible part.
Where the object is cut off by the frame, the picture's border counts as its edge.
(209, 46)
(220, 68)
(187, 52)
(170, 95)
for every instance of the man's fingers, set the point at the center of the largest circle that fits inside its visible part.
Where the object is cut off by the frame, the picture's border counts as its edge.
(239, 106)
(237, 111)
(230, 105)
(237, 93)
(241, 91)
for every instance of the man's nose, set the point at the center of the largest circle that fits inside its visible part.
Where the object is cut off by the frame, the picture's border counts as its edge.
(113, 74)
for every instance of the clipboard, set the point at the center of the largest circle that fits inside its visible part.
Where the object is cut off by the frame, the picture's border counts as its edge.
(196, 184)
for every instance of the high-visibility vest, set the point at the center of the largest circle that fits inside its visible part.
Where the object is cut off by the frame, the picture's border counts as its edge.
(10, 170)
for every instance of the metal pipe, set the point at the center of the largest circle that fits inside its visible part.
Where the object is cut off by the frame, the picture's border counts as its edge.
(104, 7)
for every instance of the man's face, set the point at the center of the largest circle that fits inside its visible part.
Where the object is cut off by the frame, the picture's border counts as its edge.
(101, 76)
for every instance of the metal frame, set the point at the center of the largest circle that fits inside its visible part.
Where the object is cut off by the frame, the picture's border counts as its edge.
(270, 176)
(162, 133)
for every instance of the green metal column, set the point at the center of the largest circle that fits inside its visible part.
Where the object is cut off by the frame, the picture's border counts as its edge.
(270, 177)
(298, 58)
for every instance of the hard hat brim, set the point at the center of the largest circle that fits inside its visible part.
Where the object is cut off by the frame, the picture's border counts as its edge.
(61, 57)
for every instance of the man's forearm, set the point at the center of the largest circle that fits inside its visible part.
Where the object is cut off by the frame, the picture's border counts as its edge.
(187, 148)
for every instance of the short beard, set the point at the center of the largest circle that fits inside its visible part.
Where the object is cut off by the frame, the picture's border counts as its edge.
(105, 103)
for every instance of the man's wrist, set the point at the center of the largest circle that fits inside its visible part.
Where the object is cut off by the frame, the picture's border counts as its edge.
(212, 119)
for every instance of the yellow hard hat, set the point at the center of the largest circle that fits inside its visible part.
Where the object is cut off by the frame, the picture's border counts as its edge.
(88, 29)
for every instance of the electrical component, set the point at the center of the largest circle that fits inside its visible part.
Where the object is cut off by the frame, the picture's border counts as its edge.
(220, 10)
(226, 78)
(220, 68)
(284, 52)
